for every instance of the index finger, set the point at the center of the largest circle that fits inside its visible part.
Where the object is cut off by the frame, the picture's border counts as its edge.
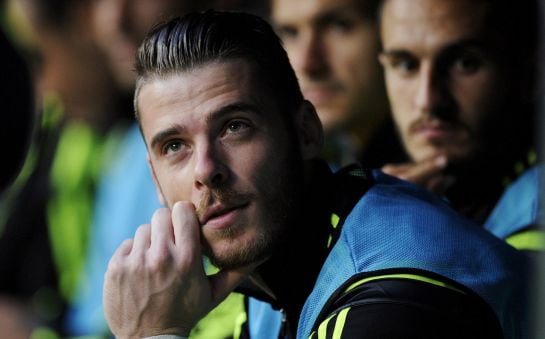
(161, 229)
(185, 225)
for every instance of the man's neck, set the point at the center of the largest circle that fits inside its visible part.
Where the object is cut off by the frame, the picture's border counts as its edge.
(288, 277)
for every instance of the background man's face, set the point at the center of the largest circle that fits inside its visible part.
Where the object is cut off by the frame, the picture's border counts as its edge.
(442, 75)
(121, 25)
(216, 139)
(332, 48)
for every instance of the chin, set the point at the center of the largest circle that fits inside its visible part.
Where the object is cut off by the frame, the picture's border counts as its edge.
(239, 251)
(332, 119)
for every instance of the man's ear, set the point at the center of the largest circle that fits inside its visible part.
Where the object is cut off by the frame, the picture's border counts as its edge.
(309, 128)
(156, 182)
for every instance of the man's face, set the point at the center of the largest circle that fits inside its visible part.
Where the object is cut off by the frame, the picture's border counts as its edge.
(121, 25)
(216, 139)
(443, 77)
(333, 49)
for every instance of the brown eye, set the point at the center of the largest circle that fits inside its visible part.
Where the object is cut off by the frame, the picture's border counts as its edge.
(341, 25)
(404, 65)
(407, 65)
(467, 64)
(236, 126)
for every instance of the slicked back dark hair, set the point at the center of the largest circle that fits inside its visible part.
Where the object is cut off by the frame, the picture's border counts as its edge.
(197, 39)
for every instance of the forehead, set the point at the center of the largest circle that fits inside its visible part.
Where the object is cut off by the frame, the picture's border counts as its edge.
(196, 93)
(309, 10)
(431, 23)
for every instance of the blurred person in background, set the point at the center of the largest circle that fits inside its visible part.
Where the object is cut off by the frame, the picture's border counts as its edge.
(332, 46)
(126, 195)
(47, 212)
(460, 79)
(67, 63)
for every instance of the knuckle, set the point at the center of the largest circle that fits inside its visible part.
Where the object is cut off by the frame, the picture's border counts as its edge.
(134, 266)
(155, 266)
(114, 265)
(388, 169)
(142, 231)
(159, 260)
(126, 243)
(118, 258)
(143, 228)
(183, 263)
(160, 214)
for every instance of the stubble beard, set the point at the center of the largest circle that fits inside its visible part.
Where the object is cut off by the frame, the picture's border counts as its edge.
(277, 212)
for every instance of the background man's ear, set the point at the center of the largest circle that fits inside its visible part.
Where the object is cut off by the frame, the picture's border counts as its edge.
(157, 187)
(309, 128)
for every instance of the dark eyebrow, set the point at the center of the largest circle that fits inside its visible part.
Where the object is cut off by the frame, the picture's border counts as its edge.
(166, 134)
(333, 14)
(235, 107)
(462, 44)
(450, 48)
(396, 53)
(160, 137)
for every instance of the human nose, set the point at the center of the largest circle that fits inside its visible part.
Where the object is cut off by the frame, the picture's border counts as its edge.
(427, 95)
(210, 170)
(308, 54)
